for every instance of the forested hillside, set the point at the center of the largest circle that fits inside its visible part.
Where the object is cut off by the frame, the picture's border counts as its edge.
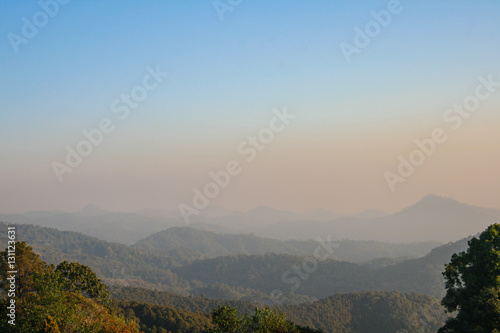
(44, 298)
(163, 319)
(39, 298)
(200, 244)
(370, 312)
(320, 292)
(70, 298)
(241, 277)
(166, 298)
(373, 312)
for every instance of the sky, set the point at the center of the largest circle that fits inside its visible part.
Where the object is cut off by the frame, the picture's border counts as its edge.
(308, 103)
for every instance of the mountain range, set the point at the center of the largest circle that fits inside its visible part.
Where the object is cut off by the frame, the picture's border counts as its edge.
(195, 243)
(243, 274)
(125, 228)
(360, 286)
(433, 218)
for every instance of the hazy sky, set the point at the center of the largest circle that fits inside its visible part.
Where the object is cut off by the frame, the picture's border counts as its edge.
(361, 90)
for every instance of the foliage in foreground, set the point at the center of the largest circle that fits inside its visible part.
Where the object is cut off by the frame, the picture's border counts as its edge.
(473, 286)
(266, 320)
(69, 298)
(370, 312)
(364, 312)
(163, 319)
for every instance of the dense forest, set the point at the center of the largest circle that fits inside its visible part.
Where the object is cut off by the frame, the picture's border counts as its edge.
(241, 277)
(203, 244)
(169, 291)
(163, 319)
(66, 298)
(70, 298)
(355, 312)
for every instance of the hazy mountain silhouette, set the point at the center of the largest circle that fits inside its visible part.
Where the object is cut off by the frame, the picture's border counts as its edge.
(263, 217)
(433, 218)
(209, 212)
(204, 244)
(91, 210)
(125, 228)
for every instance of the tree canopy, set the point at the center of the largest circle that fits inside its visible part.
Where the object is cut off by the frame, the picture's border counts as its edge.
(266, 320)
(473, 286)
(67, 299)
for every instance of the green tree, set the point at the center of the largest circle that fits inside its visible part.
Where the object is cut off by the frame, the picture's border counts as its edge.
(81, 278)
(473, 286)
(269, 321)
(27, 263)
(67, 296)
(226, 320)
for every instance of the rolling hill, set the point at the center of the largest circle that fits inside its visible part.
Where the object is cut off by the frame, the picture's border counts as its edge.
(203, 244)
(365, 312)
(240, 277)
(432, 219)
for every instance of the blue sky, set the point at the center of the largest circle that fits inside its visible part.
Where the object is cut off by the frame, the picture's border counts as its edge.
(224, 79)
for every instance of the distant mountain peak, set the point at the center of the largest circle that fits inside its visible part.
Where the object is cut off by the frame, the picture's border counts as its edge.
(436, 204)
(432, 199)
(91, 210)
